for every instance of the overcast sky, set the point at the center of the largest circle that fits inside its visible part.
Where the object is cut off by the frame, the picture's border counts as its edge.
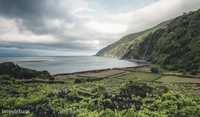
(78, 27)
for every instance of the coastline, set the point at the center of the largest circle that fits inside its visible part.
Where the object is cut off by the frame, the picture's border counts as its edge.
(141, 64)
(57, 65)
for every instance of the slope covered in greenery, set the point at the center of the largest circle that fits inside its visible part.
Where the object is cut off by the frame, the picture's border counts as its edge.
(120, 48)
(176, 46)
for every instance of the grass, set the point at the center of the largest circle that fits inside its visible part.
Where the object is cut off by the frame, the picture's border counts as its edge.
(176, 79)
(140, 76)
(99, 97)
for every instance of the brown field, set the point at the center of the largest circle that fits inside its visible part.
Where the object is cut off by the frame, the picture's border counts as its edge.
(102, 74)
(141, 73)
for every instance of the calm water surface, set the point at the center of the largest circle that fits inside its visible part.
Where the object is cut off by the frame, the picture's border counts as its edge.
(68, 64)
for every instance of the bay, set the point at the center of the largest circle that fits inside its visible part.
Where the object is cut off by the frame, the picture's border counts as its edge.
(68, 64)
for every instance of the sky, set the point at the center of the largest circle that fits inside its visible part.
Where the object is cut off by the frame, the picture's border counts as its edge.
(78, 27)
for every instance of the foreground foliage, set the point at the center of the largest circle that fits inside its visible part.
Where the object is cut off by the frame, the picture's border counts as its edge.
(124, 97)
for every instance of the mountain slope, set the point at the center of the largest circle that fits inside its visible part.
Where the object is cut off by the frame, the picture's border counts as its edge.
(175, 47)
(120, 48)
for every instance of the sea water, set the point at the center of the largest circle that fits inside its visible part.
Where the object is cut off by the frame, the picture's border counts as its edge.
(68, 64)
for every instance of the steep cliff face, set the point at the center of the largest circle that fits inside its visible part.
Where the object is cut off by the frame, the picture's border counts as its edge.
(174, 45)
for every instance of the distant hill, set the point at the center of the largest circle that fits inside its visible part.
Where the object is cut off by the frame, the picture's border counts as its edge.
(174, 44)
(120, 48)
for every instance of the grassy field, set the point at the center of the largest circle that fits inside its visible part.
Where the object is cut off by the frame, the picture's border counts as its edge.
(176, 79)
(128, 94)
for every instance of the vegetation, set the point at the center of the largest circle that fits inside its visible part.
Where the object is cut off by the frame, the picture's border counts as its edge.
(175, 45)
(135, 94)
(122, 47)
(9, 68)
(155, 70)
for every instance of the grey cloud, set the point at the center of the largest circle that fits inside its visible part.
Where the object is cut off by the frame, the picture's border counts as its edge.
(69, 45)
(34, 13)
(30, 8)
(38, 16)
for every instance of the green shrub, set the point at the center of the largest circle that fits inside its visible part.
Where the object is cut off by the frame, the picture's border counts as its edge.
(155, 70)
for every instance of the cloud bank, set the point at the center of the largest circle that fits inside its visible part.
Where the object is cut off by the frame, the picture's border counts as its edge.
(78, 27)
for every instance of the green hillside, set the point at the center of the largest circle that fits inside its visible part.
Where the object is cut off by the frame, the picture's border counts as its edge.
(120, 48)
(174, 45)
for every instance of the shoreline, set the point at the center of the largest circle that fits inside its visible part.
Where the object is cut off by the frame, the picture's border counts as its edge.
(141, 63)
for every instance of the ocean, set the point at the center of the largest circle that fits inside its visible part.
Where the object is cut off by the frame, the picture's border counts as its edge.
(68, 64)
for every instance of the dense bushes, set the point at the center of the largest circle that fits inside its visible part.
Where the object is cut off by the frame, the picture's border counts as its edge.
(155, 70)
(93, 99)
